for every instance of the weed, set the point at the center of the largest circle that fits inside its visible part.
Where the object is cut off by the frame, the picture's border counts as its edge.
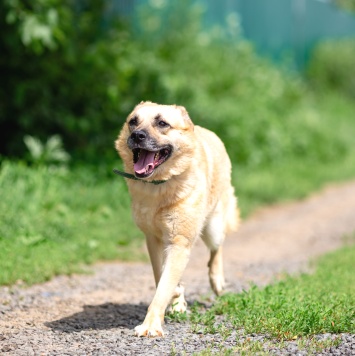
(173, 351)
(316, 345)
(295, 307)
(177, 316)
(249, 345)
(224, 331)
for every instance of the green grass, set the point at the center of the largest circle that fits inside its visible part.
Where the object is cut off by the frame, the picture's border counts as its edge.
(284, 143)
(55, 222)
(293, 310)
(250, 347)
(322, 302)
(285, 138)
(326, 155)
(287, 181)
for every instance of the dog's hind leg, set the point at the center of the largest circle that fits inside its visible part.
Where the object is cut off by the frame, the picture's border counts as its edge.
(215, 271)
(213, 235)
(178, 303)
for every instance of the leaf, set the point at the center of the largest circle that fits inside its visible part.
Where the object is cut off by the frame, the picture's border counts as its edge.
(34, 146)
(54, 142)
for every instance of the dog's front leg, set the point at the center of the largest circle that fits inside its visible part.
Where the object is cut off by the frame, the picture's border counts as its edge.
(177, 256)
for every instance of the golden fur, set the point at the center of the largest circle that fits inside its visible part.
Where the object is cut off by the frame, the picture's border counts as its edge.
(196, 200)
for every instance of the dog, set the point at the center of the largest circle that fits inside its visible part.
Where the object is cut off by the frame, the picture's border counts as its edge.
(181, 190)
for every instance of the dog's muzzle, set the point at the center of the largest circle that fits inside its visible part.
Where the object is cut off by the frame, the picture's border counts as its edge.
(147, 155)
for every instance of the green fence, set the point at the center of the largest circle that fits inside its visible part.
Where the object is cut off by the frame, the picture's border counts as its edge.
(278, 28)
(290, 27)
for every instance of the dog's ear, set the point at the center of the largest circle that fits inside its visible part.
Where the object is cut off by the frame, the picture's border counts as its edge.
(143, 102)
(185, 115)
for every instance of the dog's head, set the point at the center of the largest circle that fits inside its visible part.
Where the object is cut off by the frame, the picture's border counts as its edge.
(156, 141)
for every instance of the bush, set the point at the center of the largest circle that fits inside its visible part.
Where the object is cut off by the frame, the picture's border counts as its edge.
(84, 80)
(262, 113)
(346, 4)
(332, 66)
(62, 83)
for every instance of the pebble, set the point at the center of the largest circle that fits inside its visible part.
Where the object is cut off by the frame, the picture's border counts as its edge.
(59, 339)
(107, 329)
(79, 315)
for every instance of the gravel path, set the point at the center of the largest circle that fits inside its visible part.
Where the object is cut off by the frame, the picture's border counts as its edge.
(95, 314)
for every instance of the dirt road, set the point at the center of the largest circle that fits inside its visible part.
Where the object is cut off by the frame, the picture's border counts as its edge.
(95, 314)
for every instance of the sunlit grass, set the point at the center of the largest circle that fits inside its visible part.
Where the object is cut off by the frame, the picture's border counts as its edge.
(290, 180)
(322, 302)
(54, 222)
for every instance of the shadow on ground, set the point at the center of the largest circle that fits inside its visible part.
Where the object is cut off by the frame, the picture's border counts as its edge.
(101, 317)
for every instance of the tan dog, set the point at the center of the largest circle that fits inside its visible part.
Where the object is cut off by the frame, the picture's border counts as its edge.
(160, 144)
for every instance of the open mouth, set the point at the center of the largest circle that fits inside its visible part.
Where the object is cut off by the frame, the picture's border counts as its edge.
(145, 162)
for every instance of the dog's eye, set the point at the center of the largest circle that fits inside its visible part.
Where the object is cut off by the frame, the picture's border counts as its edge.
(162, 123)
(133, 122)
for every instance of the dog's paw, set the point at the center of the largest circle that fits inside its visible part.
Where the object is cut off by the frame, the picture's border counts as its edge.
(178, 303)
(149, 330)
(217, 283)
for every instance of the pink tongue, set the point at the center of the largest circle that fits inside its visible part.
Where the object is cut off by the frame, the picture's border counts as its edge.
(145, 162)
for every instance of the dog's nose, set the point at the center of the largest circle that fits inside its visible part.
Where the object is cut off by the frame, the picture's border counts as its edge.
(138, 136)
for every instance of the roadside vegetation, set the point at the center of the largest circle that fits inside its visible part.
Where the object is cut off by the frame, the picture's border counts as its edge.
(55, 222)
(316, 303)
(297, 309)
(61, 207)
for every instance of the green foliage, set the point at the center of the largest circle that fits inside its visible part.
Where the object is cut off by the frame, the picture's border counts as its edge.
(55, 222)
(84, 85)
(41, 24)
(71, 70)
(177, 317)
(322, 302)
(50, 153)
(332, 66)
(262, 114)
(72, 83)
(346, 4)
(292, 180)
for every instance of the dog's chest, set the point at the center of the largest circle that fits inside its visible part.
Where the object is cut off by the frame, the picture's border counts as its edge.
(145, 216)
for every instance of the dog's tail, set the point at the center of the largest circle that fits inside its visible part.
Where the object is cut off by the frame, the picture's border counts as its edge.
(233, 214)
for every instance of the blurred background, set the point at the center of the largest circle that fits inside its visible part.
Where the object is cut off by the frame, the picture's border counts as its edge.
(274, 79)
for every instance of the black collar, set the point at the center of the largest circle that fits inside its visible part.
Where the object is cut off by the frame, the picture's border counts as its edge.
(131, 176)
